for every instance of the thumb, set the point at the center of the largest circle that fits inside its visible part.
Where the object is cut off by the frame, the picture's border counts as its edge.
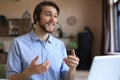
(73, 52)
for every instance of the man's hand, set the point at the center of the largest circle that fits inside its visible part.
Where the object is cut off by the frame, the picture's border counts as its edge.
(37, 68)
(72, 61)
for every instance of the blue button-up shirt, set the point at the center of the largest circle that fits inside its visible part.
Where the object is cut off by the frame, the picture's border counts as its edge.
(25, 48)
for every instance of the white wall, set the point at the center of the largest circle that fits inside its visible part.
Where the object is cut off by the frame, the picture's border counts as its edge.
(87, 13)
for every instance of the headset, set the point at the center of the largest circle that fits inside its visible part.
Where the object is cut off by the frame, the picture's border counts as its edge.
(37, 18)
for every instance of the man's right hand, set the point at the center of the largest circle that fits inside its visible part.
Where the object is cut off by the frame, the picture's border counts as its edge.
(37, 68)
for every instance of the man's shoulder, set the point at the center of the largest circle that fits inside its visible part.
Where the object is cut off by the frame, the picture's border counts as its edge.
(23, 37)
(56, 39)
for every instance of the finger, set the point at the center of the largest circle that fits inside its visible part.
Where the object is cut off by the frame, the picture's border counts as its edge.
(65, 59)
(71, 61)
(46, 63)
(35, 59)
(44, 67)
(68, 63)
(73, 58)
(73, 52)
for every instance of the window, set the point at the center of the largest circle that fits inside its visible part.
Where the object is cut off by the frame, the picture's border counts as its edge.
(116, 25)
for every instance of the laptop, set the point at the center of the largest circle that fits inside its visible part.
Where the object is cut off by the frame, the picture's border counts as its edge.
(105, 68)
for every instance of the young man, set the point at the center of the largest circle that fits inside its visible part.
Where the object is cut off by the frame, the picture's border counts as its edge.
(38, 55)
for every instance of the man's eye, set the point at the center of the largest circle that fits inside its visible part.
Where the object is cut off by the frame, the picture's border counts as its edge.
(48, 14)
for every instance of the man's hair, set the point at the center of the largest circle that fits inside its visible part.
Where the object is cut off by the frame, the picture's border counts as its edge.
(38, 9)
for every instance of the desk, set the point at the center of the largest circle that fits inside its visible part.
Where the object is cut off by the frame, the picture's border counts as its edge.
(82, 74)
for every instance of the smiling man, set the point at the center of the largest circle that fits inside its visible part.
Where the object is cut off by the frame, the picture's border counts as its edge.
(38, 55)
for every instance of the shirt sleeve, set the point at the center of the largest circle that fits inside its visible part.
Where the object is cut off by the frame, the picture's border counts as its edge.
(13, 65)
(64, 67)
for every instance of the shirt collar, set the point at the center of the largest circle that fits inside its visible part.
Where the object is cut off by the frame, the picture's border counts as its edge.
(34, 37)
(50, 38)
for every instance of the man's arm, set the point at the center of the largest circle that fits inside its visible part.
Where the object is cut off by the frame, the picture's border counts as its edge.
(20, 76)
(70, 75)
(32, 69)
(72, 61)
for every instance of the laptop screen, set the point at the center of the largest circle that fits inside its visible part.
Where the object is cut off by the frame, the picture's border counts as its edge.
(105, 68)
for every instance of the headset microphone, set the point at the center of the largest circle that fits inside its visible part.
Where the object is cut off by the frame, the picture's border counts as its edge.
(59, 29)
(59, 25)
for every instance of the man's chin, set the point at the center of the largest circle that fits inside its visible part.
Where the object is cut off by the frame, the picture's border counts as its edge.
(49, 31)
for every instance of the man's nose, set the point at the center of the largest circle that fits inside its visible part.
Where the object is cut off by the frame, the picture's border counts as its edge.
(53, 19)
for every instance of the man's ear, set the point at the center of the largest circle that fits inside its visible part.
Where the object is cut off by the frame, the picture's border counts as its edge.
(36, 18)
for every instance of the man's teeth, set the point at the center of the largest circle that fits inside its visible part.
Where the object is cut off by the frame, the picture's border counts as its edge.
(51, 24)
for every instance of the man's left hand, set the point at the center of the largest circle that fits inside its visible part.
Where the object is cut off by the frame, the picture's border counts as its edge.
(72, 61)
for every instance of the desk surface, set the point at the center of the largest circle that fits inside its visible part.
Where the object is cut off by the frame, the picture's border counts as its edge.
(82, 75)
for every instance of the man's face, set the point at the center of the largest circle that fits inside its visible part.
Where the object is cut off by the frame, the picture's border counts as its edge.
(48, 19)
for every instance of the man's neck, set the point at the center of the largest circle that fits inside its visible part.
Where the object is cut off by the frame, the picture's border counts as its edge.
(41, 34)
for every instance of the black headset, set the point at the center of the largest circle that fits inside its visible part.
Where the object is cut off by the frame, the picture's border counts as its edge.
(37, 18)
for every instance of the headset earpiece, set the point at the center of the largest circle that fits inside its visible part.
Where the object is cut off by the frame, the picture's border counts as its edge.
(37, 18)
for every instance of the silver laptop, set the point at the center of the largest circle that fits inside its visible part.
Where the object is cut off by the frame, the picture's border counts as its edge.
(105, 68)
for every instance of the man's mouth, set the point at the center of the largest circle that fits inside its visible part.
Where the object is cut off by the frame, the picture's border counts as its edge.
(50, 25)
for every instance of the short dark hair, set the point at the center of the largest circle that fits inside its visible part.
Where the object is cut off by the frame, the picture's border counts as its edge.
(38, 9)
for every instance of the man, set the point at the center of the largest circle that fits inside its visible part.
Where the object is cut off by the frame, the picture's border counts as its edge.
(38, 55)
